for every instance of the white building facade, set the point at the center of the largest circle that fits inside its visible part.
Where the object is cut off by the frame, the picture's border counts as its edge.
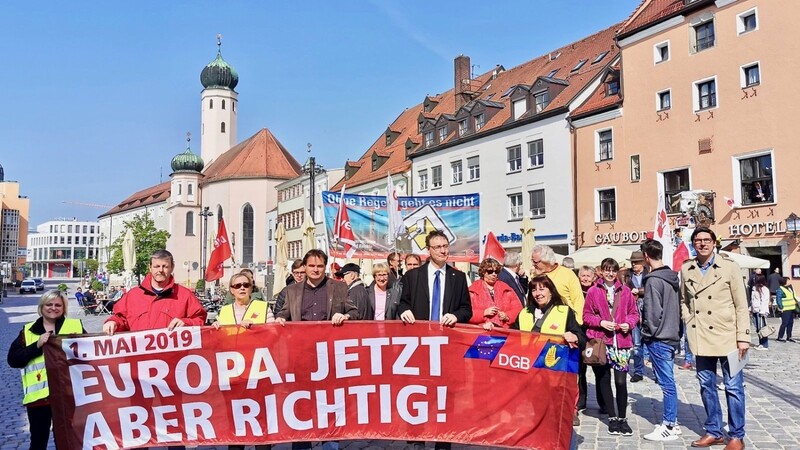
(57, 247)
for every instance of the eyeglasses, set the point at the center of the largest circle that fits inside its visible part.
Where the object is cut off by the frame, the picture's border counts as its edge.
(381, 275)
(702, 241)
(610, 271)
(439, 248)
(298, 272)
(492, 271)
(242, 285)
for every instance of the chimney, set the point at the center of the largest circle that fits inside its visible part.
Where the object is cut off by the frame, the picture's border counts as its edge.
(462, 77)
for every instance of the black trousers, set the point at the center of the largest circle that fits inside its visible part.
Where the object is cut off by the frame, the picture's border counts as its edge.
(787, 323)
(602, 375)
(258, 447)
(40, 419)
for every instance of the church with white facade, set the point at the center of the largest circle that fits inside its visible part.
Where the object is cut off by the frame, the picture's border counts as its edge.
(229, 179)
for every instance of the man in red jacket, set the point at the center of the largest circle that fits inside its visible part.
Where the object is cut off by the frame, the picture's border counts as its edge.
(157, 302)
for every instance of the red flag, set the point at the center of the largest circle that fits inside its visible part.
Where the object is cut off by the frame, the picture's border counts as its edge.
(680, 256)
(343, 229)
(221, 252)
(493, 249)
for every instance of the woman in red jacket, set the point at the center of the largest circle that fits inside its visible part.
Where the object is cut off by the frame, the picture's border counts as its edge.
(494, 303)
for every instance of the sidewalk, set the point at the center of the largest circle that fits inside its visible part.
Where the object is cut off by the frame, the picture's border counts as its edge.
(772, 388)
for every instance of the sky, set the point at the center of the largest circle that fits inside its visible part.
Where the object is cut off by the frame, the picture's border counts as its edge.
(98, 96)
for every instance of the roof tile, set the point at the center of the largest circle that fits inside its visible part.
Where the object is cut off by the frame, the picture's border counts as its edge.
(259, 156)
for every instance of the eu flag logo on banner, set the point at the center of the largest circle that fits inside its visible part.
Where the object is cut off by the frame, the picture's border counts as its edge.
(558, 357)
(486, 347)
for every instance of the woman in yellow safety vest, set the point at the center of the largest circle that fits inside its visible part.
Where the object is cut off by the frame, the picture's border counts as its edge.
(244, 311)
(546, 313)
(787, 304)
(26, 353)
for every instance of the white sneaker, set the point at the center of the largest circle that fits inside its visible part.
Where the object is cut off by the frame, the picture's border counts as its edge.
(676, 430)
(662, 433)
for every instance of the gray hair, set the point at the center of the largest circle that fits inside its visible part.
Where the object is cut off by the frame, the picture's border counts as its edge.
(545, 252)
(52, 295)
(585, 268)
(568, 262)
(512, 259)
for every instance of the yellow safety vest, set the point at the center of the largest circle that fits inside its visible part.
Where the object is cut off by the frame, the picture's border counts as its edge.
(788, 300)
(256, 312)
(555, 322)
(34, 375)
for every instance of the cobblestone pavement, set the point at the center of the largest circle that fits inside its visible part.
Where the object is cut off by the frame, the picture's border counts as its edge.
(772, 389)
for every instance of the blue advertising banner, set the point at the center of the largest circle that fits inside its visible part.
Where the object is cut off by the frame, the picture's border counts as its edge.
(455, 215)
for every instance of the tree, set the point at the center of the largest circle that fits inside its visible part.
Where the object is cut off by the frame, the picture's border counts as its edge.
(90, 265)
(146, 238)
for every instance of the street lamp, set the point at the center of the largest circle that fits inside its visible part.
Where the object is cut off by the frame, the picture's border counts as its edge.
(311, 168)
(793, 225)
(205, 214)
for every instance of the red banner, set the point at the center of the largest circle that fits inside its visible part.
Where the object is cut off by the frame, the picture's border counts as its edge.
(310, 381)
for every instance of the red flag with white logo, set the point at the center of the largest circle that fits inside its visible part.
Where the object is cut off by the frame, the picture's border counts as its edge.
(221, 252)
(661, 230)
(343, 229)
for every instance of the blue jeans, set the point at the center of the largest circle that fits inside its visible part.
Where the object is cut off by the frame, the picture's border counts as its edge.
(761, 321)
(640, 352)
(327, 445)
(734, 394)
(663, 358)
(688, 357)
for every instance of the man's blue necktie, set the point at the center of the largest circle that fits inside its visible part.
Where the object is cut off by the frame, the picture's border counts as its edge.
(437, 298)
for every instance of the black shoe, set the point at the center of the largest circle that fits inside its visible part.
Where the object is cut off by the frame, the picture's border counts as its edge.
(623, 427)
(790, 340)
(636, 378)
(613, 426)
(784, 340)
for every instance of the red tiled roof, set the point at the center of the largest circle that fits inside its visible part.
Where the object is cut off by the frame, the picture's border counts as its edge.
(598, 101)
(650, 12)
(491, 87)
(260, 156)
(154, 194)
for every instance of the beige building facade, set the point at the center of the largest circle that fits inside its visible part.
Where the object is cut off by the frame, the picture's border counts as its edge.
(706, 105)
(14, 220)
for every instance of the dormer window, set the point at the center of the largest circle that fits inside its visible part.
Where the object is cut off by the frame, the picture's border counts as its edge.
(479, 121)
(420, 124)
(542, 99)
(462, 127)
(442, 134)
(519, 107)
(374, 163)
(612, 87)
(429, 104)
(428, 138)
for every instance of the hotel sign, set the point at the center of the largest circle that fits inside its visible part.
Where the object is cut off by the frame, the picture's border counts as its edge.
(758, 228)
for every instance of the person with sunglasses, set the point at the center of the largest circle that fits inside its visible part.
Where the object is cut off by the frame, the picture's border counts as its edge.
(243, 311)
(494, 303)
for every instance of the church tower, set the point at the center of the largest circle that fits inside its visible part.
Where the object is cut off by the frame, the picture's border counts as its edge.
(219, 105)
(184, 210)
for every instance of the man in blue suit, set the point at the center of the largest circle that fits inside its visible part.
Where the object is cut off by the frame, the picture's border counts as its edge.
(511, 265)
(437, 292)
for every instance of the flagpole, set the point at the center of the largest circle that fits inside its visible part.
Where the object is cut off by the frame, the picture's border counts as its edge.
(338, 224)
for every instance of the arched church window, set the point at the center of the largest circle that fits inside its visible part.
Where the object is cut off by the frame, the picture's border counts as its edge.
(211, 103)
(189, 189)
(190, 223)
(219, 214)
(247, 234)
(179, 189)
(223, 103)
(222, 127)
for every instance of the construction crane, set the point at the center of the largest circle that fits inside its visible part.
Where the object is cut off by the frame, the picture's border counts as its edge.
(88, 204)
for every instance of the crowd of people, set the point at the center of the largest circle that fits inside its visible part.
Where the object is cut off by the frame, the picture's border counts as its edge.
(622, 320)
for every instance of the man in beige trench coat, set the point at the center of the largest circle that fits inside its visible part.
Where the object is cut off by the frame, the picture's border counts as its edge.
(714, 306)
